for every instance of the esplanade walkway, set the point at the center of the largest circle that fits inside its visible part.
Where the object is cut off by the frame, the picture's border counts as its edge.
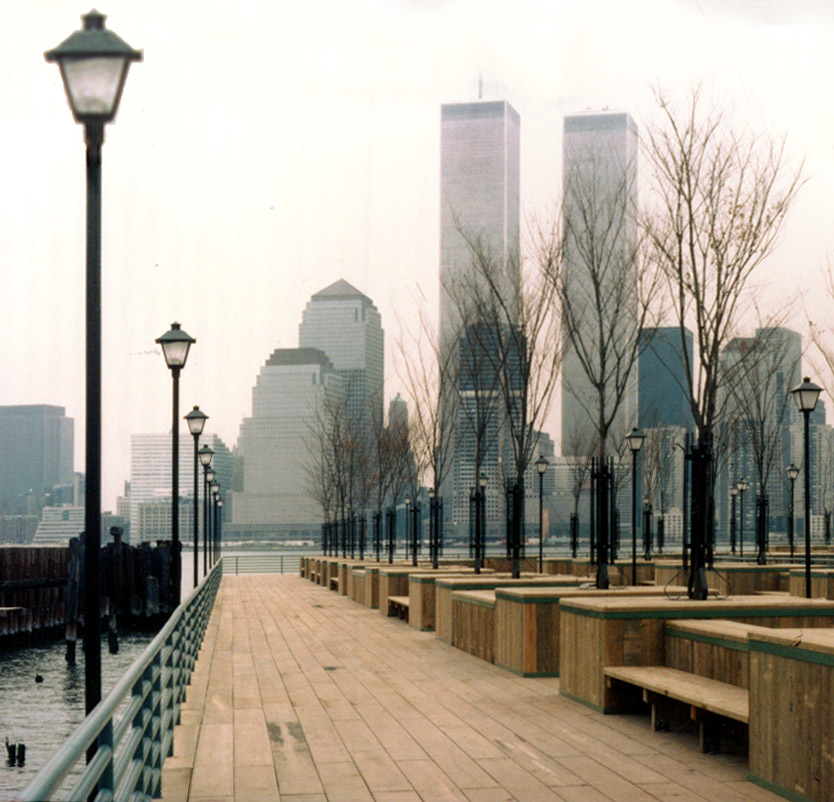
(301, 694)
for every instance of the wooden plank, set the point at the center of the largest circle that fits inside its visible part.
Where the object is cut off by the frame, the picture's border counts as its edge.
(708, 694)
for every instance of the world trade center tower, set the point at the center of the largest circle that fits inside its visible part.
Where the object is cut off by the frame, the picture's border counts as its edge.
(479, 219)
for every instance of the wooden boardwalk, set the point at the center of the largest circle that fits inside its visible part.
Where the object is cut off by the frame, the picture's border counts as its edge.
(301, 694)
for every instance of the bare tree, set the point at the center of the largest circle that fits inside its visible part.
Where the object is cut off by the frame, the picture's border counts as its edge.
(760, 373)
(722, 195)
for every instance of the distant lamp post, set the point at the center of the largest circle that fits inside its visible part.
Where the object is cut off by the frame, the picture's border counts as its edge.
(806, 397)
(792, 472)
(733, 494)
(541, 467)
(408, 529)
(742, 485)
(433, 545)
(215, 495)
(94, 63)
(219, 549)
(480, 534)
(634, 440)
(206, 455)
(208, 524)
(196, 420)
(175, 345)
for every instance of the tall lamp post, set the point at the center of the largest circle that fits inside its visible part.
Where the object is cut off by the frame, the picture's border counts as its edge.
(219, 548)
(196, 420)
(806, 396)
(94, 63)
(208, 524)
(541, 467)
(215, 495)
(743, 484)
(205, 454)
(793, 473)
(175, 345)
(480, 518)
(635, 443)
(733, 494)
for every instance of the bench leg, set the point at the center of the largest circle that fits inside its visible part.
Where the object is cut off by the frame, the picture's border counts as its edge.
(709, 730)
(667, 714)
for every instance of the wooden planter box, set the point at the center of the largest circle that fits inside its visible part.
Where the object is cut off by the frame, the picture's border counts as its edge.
(595, 633)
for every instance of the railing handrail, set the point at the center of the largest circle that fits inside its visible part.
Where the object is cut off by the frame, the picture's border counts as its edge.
(51, 776)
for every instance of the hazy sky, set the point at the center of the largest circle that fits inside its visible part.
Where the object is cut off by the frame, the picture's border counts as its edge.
(265, 149)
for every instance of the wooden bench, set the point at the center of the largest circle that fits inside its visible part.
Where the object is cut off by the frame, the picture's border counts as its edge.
(398, 606)
(333, 583)
(709, 700)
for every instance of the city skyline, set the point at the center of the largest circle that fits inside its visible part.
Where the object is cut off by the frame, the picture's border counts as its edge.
(303, 147)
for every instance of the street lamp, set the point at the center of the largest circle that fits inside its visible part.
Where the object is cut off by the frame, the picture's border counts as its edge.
(793, 473)
(408, 528)
(219, 529)
(175, 344)
(94, 64)
(215, 495)
(480, 521)
(432, 529)
(743, 484)
(208, 524)
(541, 467)
(635, 443)
(206, 455)
(196, 420)
(806, 396)
(733, 494)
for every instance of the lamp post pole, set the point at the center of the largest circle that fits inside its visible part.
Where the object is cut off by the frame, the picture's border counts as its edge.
(208, 480)
(94, 63)
(219, 552)
(806, 396)
(733, 494)
(742, 486)
(541, 467)
(635, 442)
(196, 420)
(792, 472)
(205, 454)
(175, 345)
(215, 495)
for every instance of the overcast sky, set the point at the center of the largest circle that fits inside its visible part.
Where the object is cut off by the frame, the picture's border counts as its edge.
(265, 149)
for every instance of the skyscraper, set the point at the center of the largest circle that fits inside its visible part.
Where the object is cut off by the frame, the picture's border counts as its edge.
(344, 324)
(278, 441)
(36, 451)
(662, 385)
(479, 206)
(150, 477)
(479, 194)
(600, 277)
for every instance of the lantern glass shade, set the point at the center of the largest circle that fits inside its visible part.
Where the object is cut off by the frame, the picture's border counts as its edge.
(635, 440)
(407, 502)
(541, 465)
(734, 490)
(94, 63)
(743, 485)
(210, 475)
(215, 488)
(219, 502)
(175, 344)
(431, 492)
(196, 420)
(806, 395)
(792, 471)
(205, 454)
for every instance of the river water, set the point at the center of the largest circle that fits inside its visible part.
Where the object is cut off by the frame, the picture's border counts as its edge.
(43, 715)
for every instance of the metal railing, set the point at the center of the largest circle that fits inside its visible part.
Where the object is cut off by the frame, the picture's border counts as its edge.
(130, 751)
(261, 563)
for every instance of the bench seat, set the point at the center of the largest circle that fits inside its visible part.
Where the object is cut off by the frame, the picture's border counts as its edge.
(398, 606)
(707, 694)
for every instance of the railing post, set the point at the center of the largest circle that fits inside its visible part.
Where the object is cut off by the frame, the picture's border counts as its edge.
(156, 698)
